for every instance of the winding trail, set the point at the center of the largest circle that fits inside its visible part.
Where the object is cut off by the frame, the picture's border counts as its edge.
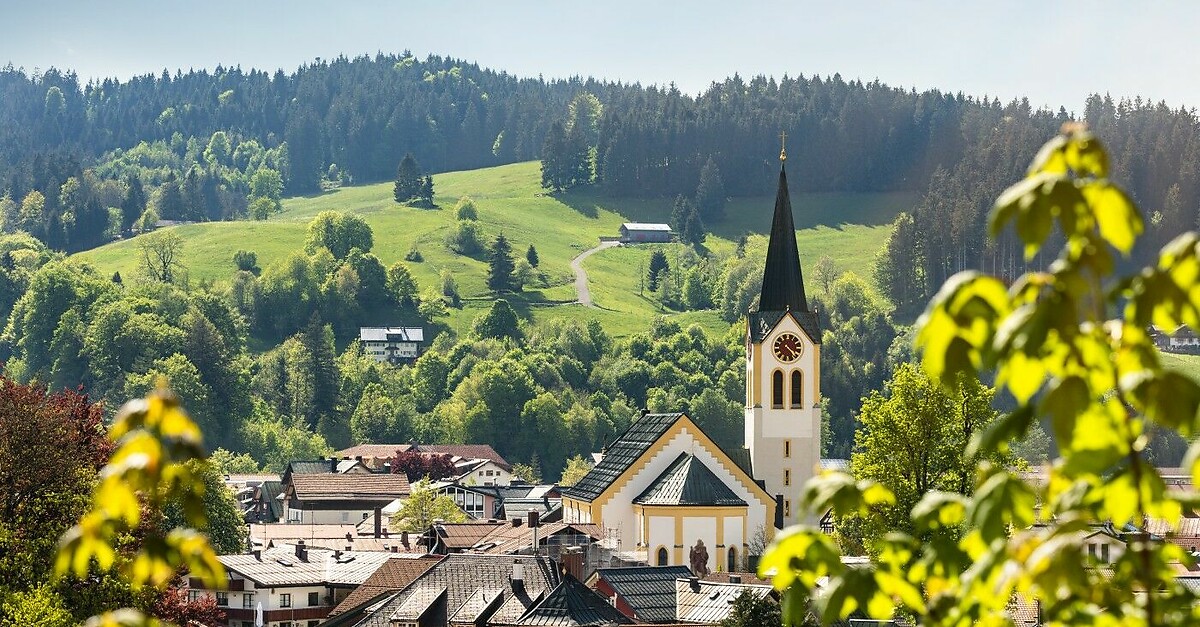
(583, 294)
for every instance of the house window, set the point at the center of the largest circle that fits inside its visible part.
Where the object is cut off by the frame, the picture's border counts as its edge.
(797, 390)
(1104, 552)
(193, 595)
(223, 599)
(787, 477)
(787, 448)
(777, 389)
(313, 599)
(285, 600)
(662, 556)
(733, 563)
(248, 601)
(294, 515)
(787, 508)
(365, 514)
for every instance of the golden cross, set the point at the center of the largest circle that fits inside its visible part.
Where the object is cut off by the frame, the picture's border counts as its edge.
(783, 145)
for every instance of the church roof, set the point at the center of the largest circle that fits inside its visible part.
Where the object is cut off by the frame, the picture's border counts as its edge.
(570, 604)
(687, 481)
(648, 590)
(621, 454)
(783, 280)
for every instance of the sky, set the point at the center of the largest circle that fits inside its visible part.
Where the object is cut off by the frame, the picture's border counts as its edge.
(1054, 53)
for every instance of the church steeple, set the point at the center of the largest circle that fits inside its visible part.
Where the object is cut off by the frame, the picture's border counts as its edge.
(783, 281)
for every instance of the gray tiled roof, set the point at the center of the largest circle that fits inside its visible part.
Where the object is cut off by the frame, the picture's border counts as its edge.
(707, 602)
(461, 576)
(621, 454)
(573, 604)
(687, 481)
(649, 590)
(281, 567)
(391, 334)
(646, 226)
(761, 323)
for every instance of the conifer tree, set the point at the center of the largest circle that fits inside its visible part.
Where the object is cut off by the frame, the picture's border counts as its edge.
(409, 182)
(658, 266)
(710, 193)
(531, 256)
(500, 265)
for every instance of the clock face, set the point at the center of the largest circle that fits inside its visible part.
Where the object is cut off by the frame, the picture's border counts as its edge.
(788, 348)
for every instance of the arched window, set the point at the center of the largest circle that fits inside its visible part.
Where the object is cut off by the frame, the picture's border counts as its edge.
(733, 562)
(662, 556)
(777, 389)
(797, 389)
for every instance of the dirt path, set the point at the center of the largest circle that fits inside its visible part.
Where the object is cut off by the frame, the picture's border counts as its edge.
(583, 294)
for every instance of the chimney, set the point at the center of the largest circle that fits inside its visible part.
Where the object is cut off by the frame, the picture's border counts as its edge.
(534, 520)
(378, 522)
(735, 578)
(332, 464)
(358, 458)
(572, 562)
(516, 522)
(643, 413)
(518, 576)
(349, 537)
(257, 553)
(404, 539)
(694, 584)
(337, 555)
(301, 551)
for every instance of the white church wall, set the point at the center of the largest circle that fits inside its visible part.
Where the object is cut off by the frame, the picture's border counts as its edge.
(700, 528)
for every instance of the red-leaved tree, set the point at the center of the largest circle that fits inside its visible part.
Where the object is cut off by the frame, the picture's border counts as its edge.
(417, 465)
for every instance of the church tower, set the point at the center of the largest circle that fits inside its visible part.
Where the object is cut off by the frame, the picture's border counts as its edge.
(783, 375)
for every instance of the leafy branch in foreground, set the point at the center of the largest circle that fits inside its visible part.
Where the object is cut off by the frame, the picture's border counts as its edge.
(1072, 345)
(155, 441)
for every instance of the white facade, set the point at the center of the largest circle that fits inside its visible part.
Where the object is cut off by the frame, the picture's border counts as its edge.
(639, 527)
(783, 429)
(241, 604)
(490, 473)
(296, 515)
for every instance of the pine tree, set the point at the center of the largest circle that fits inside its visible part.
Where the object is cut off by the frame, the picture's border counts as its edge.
(531, 256)
(133, 205)
(710, 193)
(426, 194)
(658, 266)
(693, 229)
(500, 265)
(554, 150)
(409, 182)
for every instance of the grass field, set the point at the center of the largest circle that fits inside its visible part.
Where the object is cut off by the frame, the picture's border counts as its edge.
(511, 200)
(1187, 364)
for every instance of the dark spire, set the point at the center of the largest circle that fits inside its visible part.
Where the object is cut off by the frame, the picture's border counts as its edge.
(783, 282)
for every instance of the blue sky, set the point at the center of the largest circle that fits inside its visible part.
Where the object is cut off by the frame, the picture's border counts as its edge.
(1053, 52)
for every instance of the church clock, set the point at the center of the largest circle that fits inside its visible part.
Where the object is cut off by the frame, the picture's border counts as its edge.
(788, 348)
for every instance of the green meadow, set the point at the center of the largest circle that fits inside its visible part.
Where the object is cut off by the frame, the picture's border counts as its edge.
(510, 200)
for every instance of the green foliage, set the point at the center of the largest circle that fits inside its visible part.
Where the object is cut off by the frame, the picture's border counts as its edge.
(751, 611)
(422, 507)
(160, 256)
(529, 473)
(230, 463)
(411, 184)
(499, 322)
(274, 442)
(658, 266)
(1070, 344)
(465, 209)
(500, 265)
(339, 233)
(149, 470)
(575, 470)
(531, 256)
(401, 285)
(40, 606)
(224, 526)
(466, 238)
(247, 261)
(710, 193)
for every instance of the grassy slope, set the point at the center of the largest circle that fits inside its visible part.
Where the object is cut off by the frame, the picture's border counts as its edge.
(1187, 364)
(510, 199)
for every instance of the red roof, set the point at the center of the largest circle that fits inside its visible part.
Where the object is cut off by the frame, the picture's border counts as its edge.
(350, 487)
(469, 451)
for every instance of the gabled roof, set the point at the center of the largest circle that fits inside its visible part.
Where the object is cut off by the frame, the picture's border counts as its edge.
(391, 334)
(373, 450)
(707, 602)
(573, 604)
(646, 226)
(621, 454)
(480, 604)
(687, 481)
(393, 575)
(507, 539)
(280, 566)
(460, 577)
(649, 590)
(466, 451)
(761, 323)
(462, 536)
(350, 487)
(268, 492)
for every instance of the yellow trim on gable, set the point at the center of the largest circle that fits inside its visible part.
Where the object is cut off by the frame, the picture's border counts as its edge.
(816, 374)
(684, 421)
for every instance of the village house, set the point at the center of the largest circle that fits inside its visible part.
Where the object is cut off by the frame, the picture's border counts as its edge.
(289, 585)
(393, 345)
(339, 498)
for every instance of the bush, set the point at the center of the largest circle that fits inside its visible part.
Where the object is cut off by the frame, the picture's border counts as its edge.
(466, 238)
(465, 209)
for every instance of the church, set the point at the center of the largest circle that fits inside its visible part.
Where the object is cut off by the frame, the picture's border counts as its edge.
(665, 490)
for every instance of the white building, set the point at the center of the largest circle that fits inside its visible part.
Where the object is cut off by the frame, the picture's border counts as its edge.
(392, 344)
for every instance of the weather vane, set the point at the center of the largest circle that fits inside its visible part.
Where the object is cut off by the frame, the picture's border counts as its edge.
(783, 145)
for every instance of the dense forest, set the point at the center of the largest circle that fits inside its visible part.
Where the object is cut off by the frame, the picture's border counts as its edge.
(84, 164)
